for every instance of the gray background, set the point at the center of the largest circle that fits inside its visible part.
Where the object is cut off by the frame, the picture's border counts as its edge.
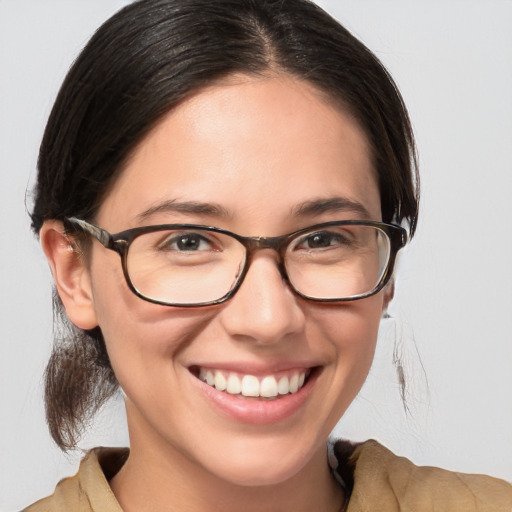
(453, 62)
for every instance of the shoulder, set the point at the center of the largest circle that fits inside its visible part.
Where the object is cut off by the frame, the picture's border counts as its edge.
(381, 480)
(88, 490)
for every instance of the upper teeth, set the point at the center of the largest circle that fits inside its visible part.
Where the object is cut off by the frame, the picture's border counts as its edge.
(249, 385)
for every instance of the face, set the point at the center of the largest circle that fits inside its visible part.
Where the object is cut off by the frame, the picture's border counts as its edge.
(252, 152)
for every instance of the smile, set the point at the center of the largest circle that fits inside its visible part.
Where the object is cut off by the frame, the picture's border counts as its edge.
(268, 386)
(256, 396)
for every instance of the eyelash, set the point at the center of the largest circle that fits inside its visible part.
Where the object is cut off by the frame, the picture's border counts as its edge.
(175, 238)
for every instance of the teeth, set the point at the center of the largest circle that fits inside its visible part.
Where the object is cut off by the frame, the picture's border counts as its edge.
(251, 386)
(220, 381)
(234, 386)
(294, 383)
(210, 379)
(283, 386)
(268, 387)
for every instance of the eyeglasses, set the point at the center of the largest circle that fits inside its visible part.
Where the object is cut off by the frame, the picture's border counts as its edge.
(189, 265)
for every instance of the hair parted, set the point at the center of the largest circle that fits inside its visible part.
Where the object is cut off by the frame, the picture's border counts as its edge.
(136, 68)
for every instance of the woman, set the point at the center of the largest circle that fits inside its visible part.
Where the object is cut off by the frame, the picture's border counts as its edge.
(255, 163)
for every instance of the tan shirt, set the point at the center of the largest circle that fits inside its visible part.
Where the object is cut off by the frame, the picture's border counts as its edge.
(378, 480)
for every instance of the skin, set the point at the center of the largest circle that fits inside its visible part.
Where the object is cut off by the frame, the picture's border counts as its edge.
(259, 147)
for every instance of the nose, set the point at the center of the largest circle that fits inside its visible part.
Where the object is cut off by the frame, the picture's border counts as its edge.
(264, 309)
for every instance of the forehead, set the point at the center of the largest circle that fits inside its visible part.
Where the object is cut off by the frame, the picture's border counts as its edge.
(252, 145)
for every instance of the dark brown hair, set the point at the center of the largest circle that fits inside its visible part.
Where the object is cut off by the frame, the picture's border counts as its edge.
(137, 67)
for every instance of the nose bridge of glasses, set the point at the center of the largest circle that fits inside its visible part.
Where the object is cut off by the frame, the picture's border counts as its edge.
(276, 244)
(254, 243)
(259, 243)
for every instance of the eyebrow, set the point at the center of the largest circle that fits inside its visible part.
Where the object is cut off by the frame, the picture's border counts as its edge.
(331, 204)
(306, 209)
(192, 207)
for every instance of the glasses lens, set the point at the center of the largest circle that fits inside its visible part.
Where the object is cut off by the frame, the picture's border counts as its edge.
(184, 266)
(338, 262)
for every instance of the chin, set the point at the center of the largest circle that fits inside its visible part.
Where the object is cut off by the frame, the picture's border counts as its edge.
(261, 463)
(255, 473)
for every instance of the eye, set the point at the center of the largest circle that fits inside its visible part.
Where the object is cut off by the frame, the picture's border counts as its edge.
(322, 240)
(186, 242)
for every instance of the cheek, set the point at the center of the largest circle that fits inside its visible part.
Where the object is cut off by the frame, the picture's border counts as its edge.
(141, 338)
(144, 341)
(352, 326)
(352, 331)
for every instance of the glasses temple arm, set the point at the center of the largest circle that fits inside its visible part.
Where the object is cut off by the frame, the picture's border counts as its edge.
(104, 237)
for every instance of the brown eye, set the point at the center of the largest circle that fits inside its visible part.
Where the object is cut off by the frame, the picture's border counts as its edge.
(322, 240)
(186, 242)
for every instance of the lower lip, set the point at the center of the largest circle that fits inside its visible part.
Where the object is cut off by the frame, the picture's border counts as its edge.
(254, 411)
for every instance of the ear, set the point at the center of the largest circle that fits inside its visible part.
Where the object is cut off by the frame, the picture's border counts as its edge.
(71, 274)
(388, 294)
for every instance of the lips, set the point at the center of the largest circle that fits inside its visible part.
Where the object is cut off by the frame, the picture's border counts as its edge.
(247, 385)
(243, 389)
